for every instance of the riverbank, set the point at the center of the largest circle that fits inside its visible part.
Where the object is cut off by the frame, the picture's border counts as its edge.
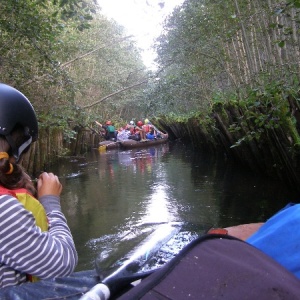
(52, 145)
(261, 134)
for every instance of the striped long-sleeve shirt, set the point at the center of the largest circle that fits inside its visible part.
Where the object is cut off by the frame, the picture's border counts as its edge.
(25, 249)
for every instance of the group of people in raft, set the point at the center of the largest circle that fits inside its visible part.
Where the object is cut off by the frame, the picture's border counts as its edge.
(140, 131)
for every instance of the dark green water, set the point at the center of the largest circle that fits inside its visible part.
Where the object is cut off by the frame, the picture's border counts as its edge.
(112, 199)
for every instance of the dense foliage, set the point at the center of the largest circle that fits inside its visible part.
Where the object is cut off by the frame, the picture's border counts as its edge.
(73, 63)
(223, 50)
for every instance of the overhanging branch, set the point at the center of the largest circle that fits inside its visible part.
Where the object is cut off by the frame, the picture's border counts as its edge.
(115, 93)
(95, 50)
(62, 66)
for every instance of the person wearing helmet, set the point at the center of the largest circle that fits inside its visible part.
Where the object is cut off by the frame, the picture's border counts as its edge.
(131, 127)
(146, 127)
(36, 241)
(139, 123)
(139, 129)
(110, 132)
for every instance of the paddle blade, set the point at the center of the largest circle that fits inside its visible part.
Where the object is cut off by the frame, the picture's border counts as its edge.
(127, 272)
(102, 148)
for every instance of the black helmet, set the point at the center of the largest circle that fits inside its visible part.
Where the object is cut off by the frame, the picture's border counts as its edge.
(16, 110)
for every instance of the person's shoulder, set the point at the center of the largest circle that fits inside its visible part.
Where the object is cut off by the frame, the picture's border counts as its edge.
(10, 203)
(7, 198)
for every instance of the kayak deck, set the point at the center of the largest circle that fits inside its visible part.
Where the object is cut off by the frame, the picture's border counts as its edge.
(242, 232)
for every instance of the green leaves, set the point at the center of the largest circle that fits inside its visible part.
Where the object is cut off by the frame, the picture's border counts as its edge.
(266, 109)
(281, 44)
(295, 3)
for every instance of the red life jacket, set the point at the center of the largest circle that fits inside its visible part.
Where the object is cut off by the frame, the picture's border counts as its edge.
(146, 128)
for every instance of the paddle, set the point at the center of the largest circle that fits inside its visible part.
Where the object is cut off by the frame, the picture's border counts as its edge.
(102, 148)
(127, 272)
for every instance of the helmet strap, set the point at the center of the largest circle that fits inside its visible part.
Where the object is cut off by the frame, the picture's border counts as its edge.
(24, 146)
(16, 152)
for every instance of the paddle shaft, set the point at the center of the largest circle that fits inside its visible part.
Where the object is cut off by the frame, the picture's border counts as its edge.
(110, 286)
(127, 273)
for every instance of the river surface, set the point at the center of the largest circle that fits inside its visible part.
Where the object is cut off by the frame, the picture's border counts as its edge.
(113, 199)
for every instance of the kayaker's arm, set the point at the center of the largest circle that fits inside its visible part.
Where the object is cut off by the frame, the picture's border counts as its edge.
(24, 249)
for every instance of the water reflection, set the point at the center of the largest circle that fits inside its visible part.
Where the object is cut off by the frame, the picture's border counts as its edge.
(158, 208)
(114, 199)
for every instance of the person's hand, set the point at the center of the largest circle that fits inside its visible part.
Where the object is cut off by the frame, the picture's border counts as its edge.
(48, 184)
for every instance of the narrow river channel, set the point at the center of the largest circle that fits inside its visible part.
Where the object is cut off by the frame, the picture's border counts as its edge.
(113, 198)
